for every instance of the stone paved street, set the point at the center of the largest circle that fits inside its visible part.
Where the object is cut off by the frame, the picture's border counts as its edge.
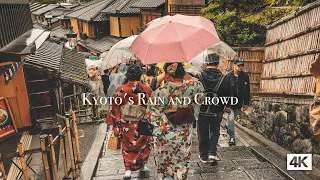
(237, 162)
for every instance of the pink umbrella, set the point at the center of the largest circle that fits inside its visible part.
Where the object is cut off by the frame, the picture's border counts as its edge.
(177, 38)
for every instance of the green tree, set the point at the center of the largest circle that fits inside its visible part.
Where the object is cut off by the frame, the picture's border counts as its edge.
(242, 22)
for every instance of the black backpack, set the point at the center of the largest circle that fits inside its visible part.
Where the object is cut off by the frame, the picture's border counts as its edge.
(211, 110)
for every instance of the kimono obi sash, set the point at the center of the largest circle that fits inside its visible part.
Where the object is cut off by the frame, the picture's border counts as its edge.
(132, 112)
(180, 115)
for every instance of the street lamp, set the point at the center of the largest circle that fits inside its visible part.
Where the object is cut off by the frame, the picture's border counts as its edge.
(72, 38)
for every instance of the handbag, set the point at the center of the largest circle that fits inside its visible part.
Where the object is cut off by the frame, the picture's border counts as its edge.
(132, 112)
(181, 116)
(144, 127)
(114, 142)
(315, 118)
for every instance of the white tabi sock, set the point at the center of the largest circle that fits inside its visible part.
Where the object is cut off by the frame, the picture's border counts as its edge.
(127, 174)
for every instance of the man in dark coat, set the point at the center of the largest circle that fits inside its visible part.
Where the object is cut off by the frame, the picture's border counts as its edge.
(210, 116)
(241, 89)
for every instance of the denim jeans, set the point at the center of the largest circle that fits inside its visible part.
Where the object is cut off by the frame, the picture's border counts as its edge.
(208, 134)
(230, 123)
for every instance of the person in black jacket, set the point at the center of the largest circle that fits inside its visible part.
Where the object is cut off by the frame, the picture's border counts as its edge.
(210, 116)
(241, 89)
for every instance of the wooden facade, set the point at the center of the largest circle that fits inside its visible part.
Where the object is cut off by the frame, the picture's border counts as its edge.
(124, 26)
(16, 93)
(292, 43)
(185, 7)
(88, 29)
(149, 15)
(74, 24)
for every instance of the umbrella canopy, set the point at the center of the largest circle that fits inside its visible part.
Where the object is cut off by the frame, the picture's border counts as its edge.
(96, 63)
(158, 19)
(176, 38)
(119, 53)
(221, 48)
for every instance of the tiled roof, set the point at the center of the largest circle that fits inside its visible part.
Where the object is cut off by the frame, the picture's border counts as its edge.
(27, 43)
(101, 17)
(47, 56)
(56, 12)
(101, 45)
(89, 12)
(67, 64)
(53, 20)
(59, 32)
(123, 7)
(36, 6)
(148, 3)
(127, 9)
(45, 9)
(73, 67)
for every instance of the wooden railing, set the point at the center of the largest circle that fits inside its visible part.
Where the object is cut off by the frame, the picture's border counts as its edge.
(67, 138)
(185, 9)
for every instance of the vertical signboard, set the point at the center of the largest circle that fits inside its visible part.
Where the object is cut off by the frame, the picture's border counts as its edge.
(7, 124)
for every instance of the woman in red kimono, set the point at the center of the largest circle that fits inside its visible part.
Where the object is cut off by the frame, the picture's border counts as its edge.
(135, 148)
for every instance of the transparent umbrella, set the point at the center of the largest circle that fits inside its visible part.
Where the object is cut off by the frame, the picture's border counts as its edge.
(221, 48)
(119, 53)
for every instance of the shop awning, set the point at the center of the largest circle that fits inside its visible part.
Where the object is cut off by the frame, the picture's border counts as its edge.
(10, 70)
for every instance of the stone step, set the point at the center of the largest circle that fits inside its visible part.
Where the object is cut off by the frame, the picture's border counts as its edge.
(278, 163)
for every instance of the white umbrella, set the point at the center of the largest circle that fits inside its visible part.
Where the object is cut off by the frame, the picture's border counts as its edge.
(221, 48)
(119, 53)
(158, 19)
(96, 63)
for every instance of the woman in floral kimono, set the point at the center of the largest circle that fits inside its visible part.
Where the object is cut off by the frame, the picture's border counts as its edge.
(135, 148)
(173, 121)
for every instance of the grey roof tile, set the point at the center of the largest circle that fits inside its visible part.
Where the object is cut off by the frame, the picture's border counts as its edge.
(101, 45)
(47, 56)
(73, 67)
(59, 32)
(27, 43)
(67, 64)
(36, 7)
(122, 6)
(94, 12)
(90, 11)
(148, 3)
(45, 9)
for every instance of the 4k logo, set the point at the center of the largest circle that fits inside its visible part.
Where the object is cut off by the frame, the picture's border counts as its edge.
(299, 161)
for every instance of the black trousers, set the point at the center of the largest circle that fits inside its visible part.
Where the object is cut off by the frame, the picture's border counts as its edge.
(208, 134)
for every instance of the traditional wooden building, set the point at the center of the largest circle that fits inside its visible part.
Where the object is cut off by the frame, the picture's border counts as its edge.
(124, 19)
(88, 23)
(185, 7)
(39, 15)
(92, 27)
(52, 73)
(17, 39)
(150, 10)
(34, 7)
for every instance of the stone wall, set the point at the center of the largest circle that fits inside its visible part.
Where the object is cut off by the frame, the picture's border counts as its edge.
(284, 121)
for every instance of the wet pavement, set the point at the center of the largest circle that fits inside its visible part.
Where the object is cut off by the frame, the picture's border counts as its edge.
(237, 162)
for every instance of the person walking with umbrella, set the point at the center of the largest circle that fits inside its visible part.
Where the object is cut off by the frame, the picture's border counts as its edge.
(241, 89)
(173, 122)
(126, 116)
(215, 85)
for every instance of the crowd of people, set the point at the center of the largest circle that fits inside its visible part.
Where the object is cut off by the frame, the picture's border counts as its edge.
(168, 128)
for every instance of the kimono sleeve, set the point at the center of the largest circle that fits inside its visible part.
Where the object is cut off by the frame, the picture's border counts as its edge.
(199, 90)
(155, 114)
(114, 114)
